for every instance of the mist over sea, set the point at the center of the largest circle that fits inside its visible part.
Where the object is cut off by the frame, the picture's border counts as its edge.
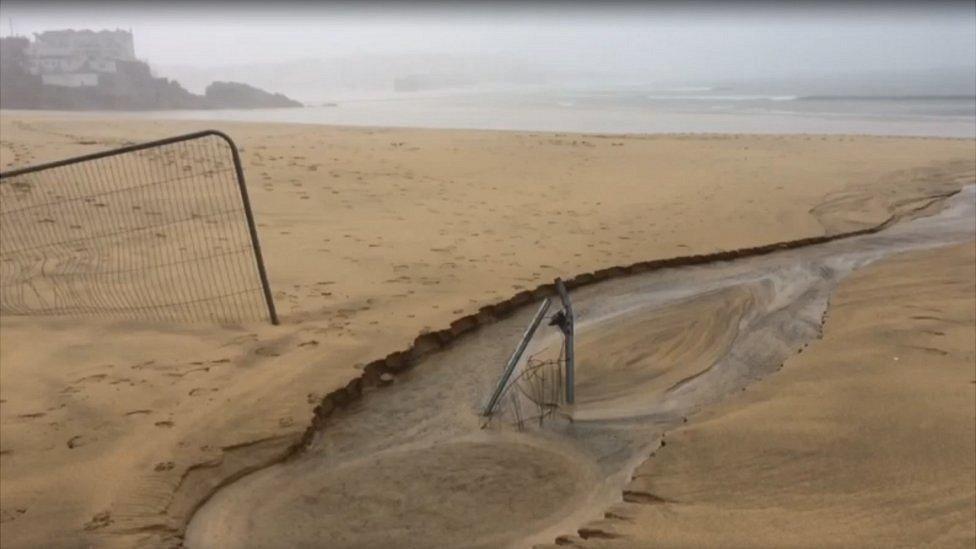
(732, 67)
(927, 103)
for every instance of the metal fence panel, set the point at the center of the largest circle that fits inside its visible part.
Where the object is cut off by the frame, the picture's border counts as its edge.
(162, 230)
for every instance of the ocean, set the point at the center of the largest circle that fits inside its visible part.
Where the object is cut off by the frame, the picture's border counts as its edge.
(630, 109)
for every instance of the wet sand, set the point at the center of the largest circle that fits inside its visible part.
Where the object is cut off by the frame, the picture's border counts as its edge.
(113, 432)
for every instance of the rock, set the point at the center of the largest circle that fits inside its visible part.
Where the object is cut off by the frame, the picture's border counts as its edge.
(231, 95)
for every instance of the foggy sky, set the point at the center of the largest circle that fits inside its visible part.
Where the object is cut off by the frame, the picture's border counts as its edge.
(672, 41)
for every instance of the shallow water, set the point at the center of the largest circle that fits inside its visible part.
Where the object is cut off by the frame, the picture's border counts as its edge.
(413, 465)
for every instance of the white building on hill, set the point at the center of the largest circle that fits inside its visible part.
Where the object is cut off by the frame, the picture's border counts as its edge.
(76, 58)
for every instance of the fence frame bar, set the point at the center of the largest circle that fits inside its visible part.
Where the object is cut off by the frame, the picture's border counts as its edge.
(516, 355)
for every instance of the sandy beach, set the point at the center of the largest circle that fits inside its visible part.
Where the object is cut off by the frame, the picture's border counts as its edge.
(411, 465)
(115, 432)
(866, 439)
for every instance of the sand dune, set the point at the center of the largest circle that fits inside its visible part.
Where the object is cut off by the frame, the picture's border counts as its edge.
(112, 431)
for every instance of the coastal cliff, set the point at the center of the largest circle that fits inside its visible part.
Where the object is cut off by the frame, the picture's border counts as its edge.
(33, 80)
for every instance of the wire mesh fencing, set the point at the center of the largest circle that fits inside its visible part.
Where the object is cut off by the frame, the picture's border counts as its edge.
(160, 231)
(535, 391)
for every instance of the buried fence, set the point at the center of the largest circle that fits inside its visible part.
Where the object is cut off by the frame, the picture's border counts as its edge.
(161, 230)
(541, 385)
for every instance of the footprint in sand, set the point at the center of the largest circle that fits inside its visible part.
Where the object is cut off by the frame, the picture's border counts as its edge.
(95, 377)
(101, 520)
(7, 515)
(266, 351)
(78, 441)
(138, 412)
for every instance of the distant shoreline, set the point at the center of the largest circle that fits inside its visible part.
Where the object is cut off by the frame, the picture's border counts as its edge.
(582, 121)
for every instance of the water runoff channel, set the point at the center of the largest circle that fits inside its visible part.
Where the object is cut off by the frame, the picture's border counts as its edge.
(414, 464)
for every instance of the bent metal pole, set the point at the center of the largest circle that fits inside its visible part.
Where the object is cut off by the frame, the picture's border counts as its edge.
(513, 360)
(568, 330)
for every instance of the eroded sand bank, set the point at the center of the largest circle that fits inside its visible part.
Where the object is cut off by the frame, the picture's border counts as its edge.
(113, 431)
(415, 464)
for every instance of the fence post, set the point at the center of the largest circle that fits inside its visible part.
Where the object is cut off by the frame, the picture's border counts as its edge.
(568, 331)
(239, 172)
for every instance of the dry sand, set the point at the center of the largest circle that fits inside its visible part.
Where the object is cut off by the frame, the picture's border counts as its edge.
(112, 431)
(867, 439)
